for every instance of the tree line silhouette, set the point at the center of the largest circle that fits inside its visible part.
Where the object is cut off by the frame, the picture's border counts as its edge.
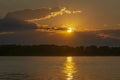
(54, 50)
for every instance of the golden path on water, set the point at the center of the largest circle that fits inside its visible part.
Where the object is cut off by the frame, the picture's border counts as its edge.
(69, 68)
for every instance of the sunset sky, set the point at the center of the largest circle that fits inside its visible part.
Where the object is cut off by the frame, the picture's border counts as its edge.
(61, 22)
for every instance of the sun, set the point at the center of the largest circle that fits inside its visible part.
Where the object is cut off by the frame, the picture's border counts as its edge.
(69, 30)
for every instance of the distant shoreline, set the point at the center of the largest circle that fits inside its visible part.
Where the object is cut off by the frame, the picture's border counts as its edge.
(54, 50)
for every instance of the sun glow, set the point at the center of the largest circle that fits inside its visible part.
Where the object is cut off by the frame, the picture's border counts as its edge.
(69, 30)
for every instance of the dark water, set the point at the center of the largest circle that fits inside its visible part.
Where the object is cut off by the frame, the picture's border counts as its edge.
(59, 68)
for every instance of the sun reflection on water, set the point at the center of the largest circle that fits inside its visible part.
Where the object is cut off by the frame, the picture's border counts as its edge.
(69, 68)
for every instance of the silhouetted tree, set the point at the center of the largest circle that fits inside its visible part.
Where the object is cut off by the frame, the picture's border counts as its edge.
(54, 50)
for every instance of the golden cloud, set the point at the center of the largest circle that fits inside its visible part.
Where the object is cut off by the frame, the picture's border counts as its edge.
(62, 11)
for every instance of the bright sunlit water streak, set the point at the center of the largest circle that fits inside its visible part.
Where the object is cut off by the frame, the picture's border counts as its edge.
(69, 69)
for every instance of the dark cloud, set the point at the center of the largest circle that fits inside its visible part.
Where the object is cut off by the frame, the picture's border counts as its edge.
(8, 24)
(53, 29)
(28, 14)
(15, 21)
(112, 34)
(13, 25)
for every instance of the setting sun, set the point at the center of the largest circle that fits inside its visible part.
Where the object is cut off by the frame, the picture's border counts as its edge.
(69, 30)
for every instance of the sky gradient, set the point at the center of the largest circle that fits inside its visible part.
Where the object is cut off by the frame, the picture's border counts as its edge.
(46, 22)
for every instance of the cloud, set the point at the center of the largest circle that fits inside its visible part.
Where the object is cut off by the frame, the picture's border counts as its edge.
(27, 14)
(56, 13)
(47, 28)
(109, 35)
(24, 19)
(12, 25)
(40, 14)
(103, 35)
(4, 33)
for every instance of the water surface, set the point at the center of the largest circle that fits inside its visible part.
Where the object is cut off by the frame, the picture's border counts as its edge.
(59, 68)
